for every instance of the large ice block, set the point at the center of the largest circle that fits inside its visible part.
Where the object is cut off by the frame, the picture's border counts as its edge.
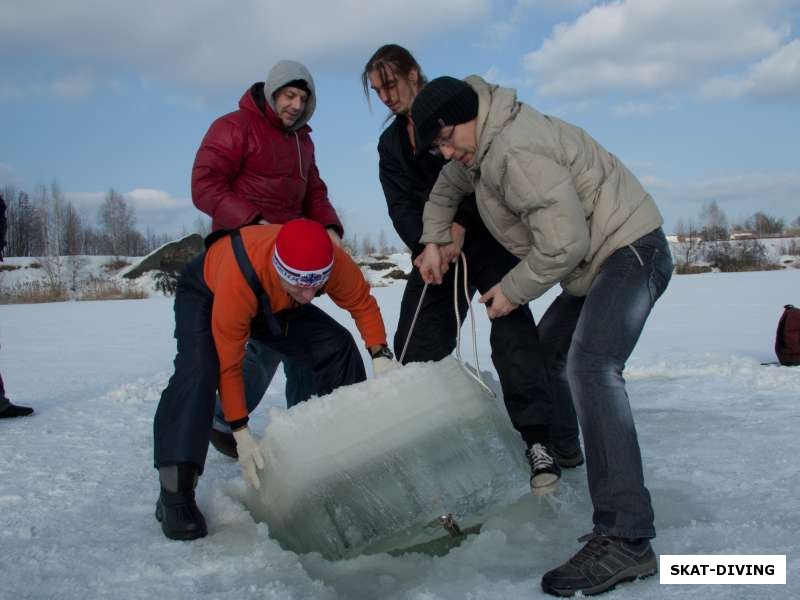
(372, 466)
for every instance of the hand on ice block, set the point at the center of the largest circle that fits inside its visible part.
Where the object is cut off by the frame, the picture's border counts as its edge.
(383, 365)
(383, 361)
(250, 456)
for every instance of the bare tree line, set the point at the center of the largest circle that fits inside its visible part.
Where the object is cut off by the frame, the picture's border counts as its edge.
(712, 225)
(366, 246)
(708, 239)
(46, 224)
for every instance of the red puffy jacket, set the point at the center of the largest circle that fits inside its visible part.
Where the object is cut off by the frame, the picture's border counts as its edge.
(249, 167)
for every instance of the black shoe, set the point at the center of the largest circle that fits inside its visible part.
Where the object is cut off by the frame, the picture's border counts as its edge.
(179, 516)
(569, 460)
(224, 443)
(600, 565)
(545, 471)
(12, 410)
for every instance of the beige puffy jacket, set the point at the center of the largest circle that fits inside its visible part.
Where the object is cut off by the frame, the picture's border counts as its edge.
(547, 191)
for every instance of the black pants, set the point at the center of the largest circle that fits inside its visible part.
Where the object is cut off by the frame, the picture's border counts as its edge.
(186, 409)
(516, 351)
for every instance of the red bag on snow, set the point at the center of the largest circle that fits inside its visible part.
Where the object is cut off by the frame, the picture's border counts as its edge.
(787, 338)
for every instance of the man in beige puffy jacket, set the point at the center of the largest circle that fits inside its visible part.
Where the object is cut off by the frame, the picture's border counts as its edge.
(574, 215)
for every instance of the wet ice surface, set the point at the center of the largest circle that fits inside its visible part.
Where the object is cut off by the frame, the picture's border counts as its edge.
(718, 433)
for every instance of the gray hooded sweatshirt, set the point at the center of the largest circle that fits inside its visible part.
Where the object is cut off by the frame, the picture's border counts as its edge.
(282, 73)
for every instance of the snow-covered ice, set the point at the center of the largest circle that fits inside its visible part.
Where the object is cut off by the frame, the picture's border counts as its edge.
(719, 436)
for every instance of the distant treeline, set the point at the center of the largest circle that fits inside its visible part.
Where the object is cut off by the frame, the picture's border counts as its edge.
(46, 224)
(712, 225)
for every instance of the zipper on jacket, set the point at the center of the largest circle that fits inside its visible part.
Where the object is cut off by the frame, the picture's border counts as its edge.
(299, 156)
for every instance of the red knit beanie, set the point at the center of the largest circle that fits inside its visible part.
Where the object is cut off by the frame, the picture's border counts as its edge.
(303, 253)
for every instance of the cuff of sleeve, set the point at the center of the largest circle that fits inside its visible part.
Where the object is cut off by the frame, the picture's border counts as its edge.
(416, 251)
(519, 288)
(382, 351)
(337, 228)
(238, 423)
(465, 218)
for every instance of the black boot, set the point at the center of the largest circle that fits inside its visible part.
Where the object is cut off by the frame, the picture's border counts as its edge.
(176, 509)
(14, 410)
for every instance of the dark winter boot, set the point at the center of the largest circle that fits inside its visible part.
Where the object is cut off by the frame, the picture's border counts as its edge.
(176, 509)
(12, 410)
(545, 472)
(223, 442)
(600, 565)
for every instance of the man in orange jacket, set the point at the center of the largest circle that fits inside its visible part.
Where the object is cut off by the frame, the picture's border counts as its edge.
(255, 282)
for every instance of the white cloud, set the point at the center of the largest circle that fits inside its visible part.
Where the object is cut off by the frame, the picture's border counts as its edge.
(155, 209)
(559, 5)
(647, 45)
(207, 44)
(74, 86)
(10, 176)
(643, 109)
(152, 199)
(11, 91)
(492, 74)
(777, 76)
(498, 32)
(86, 202)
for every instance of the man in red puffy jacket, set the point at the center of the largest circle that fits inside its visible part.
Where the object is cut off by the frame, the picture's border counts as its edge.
(256, 165)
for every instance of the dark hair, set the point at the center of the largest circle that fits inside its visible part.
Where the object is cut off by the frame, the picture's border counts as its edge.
(391, 59)
(300, 84)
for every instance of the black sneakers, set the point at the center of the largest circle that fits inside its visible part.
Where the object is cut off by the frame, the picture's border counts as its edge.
(569, 460)
(224, 443)
(545, 471)
(600, 565)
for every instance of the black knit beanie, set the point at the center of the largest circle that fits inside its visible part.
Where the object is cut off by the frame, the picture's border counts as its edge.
(442, 102)
(300, 84)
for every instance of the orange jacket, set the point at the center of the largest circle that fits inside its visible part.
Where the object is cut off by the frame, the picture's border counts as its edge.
(235, 304)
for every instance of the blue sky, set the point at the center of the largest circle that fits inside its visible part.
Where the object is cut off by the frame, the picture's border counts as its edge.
(700, 98)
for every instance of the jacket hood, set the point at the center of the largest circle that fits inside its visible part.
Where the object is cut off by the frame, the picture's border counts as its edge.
(282, 73)
(496, 107)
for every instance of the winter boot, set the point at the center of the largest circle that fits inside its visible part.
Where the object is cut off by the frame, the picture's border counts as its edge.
(176, 509)
(600, 565)
(12, 410)
(223, 442)
(545, 471)
(569, 460)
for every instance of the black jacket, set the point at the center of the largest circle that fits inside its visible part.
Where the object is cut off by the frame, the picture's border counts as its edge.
(407, 182)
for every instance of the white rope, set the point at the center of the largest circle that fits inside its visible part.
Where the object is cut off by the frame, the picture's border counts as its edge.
(413, 322)
(477, 377)
(464, 366)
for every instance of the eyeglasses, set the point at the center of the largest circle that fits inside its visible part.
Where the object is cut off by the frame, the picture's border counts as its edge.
(443, 139)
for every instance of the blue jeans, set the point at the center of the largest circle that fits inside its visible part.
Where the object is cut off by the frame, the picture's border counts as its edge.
(258, 368)
(588, 340)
